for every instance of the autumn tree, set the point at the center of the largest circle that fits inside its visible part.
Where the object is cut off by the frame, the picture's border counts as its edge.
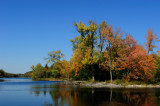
(76, 60)
(124, 58)
(86, 40)
(151, 38)
(134, 59)
(101, 39)
(92, 27)
(66, 68)
(143, 65)
(111, 41)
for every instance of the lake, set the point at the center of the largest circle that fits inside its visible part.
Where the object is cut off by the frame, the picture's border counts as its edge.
(25, 92)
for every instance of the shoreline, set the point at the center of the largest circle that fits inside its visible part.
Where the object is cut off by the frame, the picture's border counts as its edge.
(109, 85)
(106, 85)
(89, 84)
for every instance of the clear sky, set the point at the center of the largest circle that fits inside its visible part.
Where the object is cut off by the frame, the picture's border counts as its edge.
(29, 29)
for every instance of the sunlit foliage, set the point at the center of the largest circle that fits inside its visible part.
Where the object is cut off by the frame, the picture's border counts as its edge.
(100, 50)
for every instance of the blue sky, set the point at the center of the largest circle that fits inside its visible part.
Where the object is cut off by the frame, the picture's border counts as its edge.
(29, 29)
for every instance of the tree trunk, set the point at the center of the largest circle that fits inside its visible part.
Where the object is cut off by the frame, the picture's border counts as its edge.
(148, 54)
(110, 70)
(110, 67)
(68, 77)
(100, 50)
(93, 78)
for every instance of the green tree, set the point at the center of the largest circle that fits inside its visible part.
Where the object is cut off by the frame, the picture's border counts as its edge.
(157, 62)
(54, 56)
(38, 71)
(2, 73)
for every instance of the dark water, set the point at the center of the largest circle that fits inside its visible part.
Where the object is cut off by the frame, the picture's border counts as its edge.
(25, 92)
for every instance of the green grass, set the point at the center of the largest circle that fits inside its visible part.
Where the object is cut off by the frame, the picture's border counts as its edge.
(118, 81)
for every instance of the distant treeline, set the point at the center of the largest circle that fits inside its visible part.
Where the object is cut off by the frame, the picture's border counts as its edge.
(5, 74)
(28, 74)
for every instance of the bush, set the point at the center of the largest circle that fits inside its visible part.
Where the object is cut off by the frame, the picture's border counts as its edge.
(119, 81)
(157, 75)
(55, 73)
(85, 73)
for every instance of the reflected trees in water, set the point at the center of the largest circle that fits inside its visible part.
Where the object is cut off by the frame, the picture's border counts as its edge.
(75, 96)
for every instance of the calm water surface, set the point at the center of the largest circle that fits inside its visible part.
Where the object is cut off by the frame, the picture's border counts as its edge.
(25, 92)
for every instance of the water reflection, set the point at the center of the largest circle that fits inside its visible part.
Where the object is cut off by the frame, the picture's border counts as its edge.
(74, 96)
(1, 80)
(22, 91)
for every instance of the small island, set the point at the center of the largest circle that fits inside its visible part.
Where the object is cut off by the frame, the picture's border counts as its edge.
(103, 57)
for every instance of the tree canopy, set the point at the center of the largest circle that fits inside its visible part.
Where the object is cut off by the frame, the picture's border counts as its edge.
(101, 52)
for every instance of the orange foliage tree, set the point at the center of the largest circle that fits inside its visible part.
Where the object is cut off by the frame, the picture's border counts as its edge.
(66, 68)
(76, 60)
(151, 38)
(112, 40)
(134, 59)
